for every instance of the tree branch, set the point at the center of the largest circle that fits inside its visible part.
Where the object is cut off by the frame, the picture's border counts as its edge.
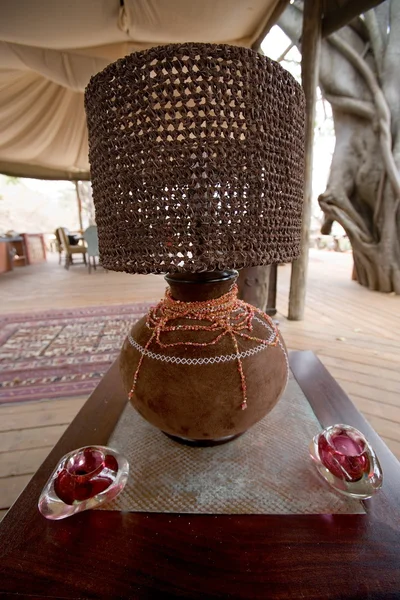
(379, 197)
(329, 201)
(382, 17)
(371, 22)
(385, 136)
(288, 49)
(290, 22)
(359, 27)
(390, 67)
(339, 215)
(360, 108)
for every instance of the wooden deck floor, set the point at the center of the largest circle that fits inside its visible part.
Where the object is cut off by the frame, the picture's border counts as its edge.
(355, 333)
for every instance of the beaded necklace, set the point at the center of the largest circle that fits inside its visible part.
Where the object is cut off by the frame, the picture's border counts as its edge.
(226, 315)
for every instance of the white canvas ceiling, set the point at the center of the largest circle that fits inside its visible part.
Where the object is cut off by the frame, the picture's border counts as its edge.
(50, 48)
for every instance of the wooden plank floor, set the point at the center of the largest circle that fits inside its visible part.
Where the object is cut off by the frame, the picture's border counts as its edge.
(355, 333)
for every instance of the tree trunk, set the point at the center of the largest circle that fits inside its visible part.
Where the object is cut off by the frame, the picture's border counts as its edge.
(253, 286)
(360, 77)
(84, 192)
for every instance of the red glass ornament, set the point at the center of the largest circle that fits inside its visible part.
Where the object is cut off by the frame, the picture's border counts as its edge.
(83, 479)
(85, 475)
(347, 462)
(344, 453)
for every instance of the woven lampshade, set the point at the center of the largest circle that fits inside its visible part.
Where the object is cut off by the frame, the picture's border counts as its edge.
(196, 154)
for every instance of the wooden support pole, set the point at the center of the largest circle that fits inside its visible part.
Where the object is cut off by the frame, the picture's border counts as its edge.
(78, 197)
(272, 289)
(276, 13)
(310, 49)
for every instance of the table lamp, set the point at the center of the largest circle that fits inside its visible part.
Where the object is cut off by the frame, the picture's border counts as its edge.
(196, 154)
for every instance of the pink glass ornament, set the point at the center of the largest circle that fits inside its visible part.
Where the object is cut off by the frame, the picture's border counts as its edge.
(83, 479)
(346, 461)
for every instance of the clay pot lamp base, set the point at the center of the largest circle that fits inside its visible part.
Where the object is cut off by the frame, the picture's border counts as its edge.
(200, 287)
(204, 366)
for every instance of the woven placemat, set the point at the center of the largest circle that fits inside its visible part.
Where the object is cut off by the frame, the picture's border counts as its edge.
(265, 471)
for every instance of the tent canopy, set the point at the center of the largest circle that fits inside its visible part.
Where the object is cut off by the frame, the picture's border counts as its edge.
(50, 49)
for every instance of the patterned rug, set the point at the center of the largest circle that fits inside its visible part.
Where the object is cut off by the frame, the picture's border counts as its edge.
(60, 353)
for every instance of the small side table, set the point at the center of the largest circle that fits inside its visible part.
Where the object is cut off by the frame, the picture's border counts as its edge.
(16, 250)
(110, 554)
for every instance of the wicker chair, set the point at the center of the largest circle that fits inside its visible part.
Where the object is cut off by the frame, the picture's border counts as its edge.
(58, 245)
(70, 250)
(92, 243)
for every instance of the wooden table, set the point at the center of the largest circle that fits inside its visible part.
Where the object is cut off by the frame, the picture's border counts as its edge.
(101, 554)
(14, 247)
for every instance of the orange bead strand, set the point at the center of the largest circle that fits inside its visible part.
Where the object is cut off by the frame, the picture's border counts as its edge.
(226, 315)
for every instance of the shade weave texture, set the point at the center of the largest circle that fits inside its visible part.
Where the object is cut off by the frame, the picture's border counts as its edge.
(197, 159)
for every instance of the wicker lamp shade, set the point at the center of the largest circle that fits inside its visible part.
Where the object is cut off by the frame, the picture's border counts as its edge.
(196, 154)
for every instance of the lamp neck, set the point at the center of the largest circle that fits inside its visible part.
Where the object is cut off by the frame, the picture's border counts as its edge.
(207, 285)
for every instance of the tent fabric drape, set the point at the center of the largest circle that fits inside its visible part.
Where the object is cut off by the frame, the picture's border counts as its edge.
(49, 49)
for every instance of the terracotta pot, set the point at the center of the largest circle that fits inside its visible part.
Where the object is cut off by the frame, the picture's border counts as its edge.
(201, 403)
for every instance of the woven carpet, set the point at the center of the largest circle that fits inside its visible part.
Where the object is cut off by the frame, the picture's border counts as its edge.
(60, 353)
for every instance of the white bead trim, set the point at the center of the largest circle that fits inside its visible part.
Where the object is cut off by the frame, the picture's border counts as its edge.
(178, 360)
(212, 360)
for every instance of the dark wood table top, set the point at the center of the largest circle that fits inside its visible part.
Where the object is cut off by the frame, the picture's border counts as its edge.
(108, 554)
